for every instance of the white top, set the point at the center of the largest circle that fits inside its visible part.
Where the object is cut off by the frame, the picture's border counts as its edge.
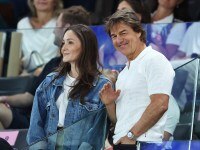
(176, 34)
(168, 19)
(39, 40)
(191, 40)
(150, 73)
(62, 100)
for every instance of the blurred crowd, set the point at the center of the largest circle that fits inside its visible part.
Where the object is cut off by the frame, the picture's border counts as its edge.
(42, 24)
(11, 11)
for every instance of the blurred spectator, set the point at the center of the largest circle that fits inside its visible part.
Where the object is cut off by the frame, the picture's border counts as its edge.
(12, 117)
(191, 42)
(166, 38)
(167, 35)
(165, 11)
(37, 39)
(141, 10)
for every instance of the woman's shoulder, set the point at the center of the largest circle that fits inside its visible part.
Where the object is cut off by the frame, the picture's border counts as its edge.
(49, 78)
(51, 75)
(101, 79)
(24, 23)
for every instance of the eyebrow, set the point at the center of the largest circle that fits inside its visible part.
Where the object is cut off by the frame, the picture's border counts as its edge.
(69, 39)
(124, 30)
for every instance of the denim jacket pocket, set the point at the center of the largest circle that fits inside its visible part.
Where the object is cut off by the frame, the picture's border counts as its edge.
(86, 108)
(90, 106)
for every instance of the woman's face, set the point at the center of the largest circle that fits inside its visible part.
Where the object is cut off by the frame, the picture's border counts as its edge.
(44, 5)
(71, 47)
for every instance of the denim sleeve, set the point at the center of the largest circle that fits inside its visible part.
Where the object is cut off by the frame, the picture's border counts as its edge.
(36, 129)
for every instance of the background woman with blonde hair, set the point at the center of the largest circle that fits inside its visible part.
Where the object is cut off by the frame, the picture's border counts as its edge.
(37, 45)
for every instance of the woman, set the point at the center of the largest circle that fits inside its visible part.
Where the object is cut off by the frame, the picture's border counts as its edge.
(71, 93)
(165, 11)
(167, 32)
(37, 30)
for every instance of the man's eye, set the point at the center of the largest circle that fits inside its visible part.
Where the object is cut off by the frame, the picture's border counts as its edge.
(113, 37)
(124, 33)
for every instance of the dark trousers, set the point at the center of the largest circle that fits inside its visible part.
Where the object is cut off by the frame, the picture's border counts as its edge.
(125, 147)
(142, 146)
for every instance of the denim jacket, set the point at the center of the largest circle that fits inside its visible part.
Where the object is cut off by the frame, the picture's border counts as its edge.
(45, 114)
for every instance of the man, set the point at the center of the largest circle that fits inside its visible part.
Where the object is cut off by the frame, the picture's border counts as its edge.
(143, 87)
(11, 117)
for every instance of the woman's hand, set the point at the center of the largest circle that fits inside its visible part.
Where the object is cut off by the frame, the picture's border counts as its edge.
(108, 95)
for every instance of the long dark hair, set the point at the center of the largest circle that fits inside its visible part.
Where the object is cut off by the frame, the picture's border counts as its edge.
(88, 62)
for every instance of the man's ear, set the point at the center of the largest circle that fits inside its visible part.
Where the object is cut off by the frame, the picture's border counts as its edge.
(139, 34)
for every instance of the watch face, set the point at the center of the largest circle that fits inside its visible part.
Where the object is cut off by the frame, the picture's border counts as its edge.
(129, 135)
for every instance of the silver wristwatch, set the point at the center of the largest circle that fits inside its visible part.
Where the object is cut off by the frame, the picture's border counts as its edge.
(131, 136)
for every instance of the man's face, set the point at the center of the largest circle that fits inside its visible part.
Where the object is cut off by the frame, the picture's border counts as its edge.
(58, 31)
(125, 40)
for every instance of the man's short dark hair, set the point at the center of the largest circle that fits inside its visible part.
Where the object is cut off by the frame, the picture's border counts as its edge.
(127, 17)
(75, 15)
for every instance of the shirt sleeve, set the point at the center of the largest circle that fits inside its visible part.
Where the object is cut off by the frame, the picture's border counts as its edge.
(159, 75)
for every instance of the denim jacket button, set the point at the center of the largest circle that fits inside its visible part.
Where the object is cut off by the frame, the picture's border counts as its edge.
(52, 115)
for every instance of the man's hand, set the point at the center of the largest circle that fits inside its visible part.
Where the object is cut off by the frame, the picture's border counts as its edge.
(125, 140)
(108, 95)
